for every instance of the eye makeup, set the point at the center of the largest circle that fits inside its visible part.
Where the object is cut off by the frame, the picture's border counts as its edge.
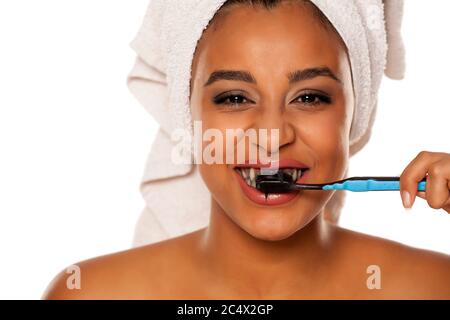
(311, 97)
(234, 97)
(308, 98)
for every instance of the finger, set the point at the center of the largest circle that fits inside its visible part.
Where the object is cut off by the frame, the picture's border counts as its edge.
(415, 171)
(437, 192)
(421, 194)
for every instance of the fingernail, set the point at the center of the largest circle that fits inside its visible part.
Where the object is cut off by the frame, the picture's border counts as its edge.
(406, 198)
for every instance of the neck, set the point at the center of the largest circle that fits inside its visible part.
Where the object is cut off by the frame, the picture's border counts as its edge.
(264, 267)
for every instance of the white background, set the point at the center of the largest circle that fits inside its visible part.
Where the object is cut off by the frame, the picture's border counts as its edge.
(73, 140)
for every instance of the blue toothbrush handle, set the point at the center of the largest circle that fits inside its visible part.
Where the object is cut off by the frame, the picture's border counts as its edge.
(360, 184)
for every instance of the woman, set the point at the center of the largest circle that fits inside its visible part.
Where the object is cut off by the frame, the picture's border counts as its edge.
(281, 248)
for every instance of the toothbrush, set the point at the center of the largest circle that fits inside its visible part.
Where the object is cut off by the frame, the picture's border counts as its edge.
(282, 182)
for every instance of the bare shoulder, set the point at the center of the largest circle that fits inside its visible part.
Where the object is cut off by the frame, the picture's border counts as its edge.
(406, 272)
(138, 273)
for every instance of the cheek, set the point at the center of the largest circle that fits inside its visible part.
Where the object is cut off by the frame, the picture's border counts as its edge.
(211, 175)
(327, 136)
(327, 132)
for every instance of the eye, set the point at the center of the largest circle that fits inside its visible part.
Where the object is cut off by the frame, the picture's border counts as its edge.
(312, 98)
(232, 100)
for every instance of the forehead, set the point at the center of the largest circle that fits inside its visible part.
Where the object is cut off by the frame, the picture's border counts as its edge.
(273, 41)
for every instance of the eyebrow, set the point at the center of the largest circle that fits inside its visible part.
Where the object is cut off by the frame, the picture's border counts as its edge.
(293, 77)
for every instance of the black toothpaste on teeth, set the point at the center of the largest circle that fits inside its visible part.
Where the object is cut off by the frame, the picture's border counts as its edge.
(274, 183)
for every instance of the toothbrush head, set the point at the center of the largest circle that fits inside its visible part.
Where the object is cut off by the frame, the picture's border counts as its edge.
(279, 182)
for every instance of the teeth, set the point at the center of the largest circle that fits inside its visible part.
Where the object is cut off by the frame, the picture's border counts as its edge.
(289, 171)
(294, 173)
(250, 174)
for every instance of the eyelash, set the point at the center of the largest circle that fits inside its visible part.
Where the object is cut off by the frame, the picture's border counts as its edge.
(322, 99)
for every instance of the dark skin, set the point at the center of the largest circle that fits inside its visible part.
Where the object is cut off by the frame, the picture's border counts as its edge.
(286, 251)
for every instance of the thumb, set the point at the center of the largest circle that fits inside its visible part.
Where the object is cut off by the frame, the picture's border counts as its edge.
(421, 194)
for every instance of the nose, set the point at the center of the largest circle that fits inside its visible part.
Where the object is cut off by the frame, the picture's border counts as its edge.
(279, 131)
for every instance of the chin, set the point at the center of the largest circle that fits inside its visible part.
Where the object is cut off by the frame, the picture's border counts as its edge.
(273, 226)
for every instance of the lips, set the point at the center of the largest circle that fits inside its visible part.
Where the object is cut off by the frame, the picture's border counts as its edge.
(283, 163)
(259, 197)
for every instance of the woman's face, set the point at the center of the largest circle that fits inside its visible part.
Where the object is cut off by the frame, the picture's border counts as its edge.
(312, 113)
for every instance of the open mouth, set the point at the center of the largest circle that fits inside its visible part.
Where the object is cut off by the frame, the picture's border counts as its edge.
(249, 174)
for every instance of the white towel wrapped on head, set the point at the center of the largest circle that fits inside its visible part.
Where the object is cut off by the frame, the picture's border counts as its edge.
(177, 200)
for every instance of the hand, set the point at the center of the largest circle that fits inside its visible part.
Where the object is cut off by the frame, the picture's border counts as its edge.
(435, 166)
